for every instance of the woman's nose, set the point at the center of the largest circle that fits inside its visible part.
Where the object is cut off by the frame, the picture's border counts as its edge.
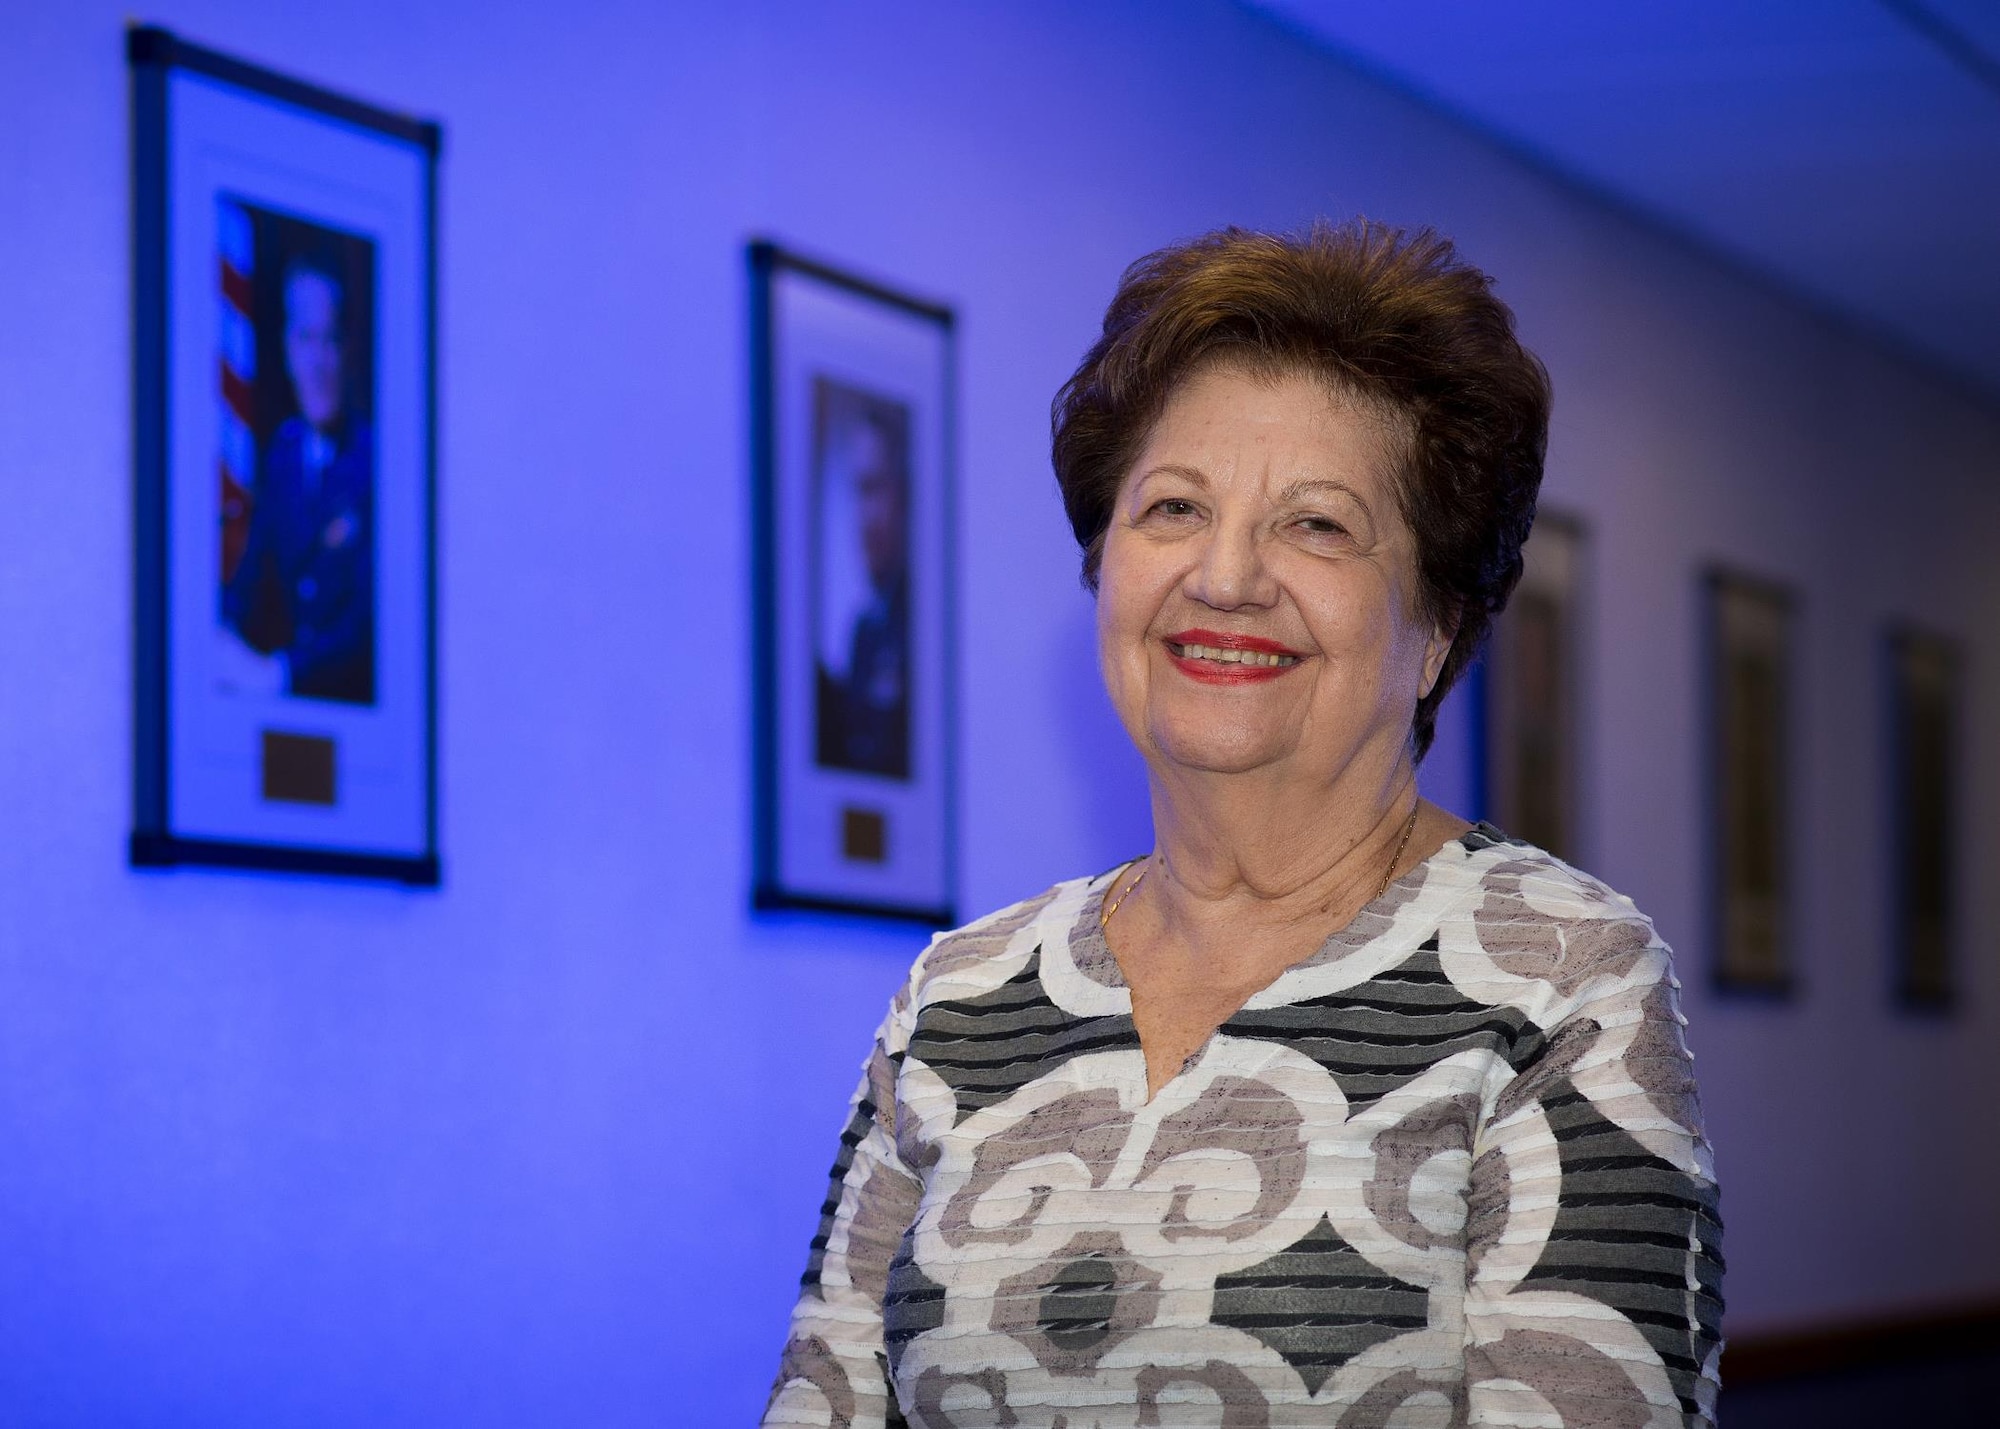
(1231, 573)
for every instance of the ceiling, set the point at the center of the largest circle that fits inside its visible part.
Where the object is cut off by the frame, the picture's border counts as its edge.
(1848, 150)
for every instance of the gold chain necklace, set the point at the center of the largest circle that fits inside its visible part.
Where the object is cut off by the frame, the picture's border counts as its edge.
(1388, 874)
(1409, 827)
(1104, 918)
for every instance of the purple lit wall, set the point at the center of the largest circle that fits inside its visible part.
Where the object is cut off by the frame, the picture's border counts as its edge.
(545, 1147)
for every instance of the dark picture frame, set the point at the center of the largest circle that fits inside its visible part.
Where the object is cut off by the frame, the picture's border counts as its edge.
(1924, 712)
(285, 422)
(1748, 686)
(1533, 689)
(853, 441)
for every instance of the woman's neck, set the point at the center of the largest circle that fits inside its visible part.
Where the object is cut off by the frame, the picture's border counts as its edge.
(1248, 866)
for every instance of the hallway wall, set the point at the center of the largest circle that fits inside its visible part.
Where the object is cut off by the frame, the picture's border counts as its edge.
(546, 1146)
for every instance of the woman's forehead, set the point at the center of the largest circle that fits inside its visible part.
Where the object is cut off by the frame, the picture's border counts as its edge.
(1296, 430)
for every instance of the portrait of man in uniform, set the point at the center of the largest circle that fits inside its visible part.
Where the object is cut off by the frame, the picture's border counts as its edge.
(299, 578)
(863, 694)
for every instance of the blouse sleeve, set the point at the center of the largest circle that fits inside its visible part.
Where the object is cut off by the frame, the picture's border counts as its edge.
(1594, 1262)
(835, 1370)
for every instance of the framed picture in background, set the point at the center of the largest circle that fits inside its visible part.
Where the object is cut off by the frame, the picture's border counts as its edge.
(1533, 690)
(1923, 723)
(1748, 641)
(853, 415)
(285, 404)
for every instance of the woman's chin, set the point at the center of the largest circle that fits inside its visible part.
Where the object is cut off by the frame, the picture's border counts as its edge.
(1217, 752)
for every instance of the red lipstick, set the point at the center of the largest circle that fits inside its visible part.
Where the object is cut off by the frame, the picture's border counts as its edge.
(1216, 658)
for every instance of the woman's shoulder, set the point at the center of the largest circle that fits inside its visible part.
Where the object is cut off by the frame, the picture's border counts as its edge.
(1515, 870)
(1536, 916)
(987, 952)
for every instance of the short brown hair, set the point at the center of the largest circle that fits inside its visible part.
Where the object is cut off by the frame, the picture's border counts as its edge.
(1395, 319)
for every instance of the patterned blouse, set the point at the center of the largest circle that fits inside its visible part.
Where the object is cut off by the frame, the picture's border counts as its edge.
(1447, 1170)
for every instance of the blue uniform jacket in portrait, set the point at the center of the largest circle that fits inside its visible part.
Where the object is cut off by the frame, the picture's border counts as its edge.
(305, 587)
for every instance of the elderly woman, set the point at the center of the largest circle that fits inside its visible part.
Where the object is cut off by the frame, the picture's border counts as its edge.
(1332, 1109)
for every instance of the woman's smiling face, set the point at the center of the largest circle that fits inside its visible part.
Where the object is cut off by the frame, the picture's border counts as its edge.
(1257, 603)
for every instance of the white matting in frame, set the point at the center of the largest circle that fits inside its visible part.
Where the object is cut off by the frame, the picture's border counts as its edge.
(286, 331)
(854, 651)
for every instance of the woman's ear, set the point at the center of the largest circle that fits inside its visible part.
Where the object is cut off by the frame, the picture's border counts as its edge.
(1435, 654)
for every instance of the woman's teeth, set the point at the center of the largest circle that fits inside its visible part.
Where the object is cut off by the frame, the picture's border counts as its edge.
(1231, 657)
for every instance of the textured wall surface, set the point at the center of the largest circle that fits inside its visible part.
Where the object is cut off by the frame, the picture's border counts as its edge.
(545, 1146)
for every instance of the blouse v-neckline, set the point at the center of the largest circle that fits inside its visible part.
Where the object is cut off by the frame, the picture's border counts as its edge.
(1091, 953)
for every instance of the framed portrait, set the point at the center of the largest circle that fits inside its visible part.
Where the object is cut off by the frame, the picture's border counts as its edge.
(1532, 689)
(853, 413)
(1923, 724)
(1749, 695)
(285, 402)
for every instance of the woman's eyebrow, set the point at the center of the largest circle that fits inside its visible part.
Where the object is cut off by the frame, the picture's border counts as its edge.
(1321, 487)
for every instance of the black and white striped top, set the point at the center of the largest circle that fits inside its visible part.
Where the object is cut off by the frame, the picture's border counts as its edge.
(1448, 1169)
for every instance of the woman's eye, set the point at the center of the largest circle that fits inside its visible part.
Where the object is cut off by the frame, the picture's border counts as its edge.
(1173, 506)
(1321, 526)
